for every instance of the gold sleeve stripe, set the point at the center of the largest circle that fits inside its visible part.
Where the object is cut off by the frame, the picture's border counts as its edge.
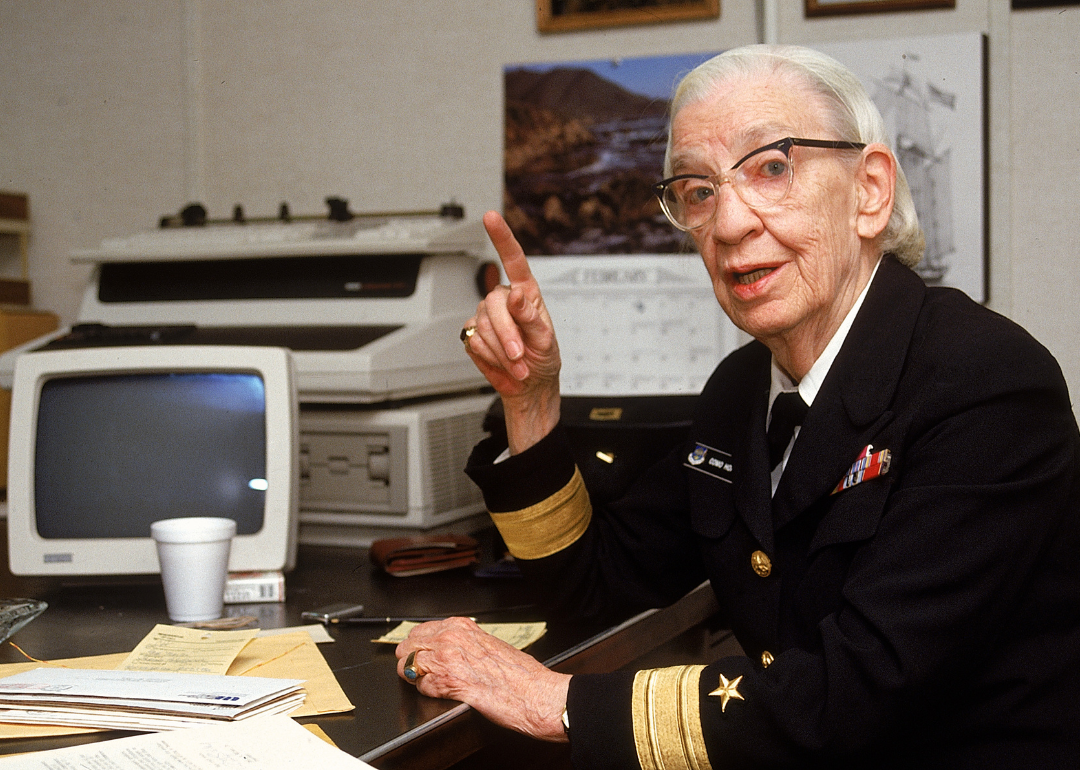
(549, 526)
(667, 719)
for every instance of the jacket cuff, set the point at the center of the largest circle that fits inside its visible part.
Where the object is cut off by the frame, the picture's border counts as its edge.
(667, 719)
(649, 719)
(601, 728)
(524, 479)
(548, 527)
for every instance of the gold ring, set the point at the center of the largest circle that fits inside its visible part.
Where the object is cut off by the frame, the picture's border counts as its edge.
(467, 333)
(412, 671)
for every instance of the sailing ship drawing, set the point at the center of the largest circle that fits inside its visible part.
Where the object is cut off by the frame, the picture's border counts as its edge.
(908, 106)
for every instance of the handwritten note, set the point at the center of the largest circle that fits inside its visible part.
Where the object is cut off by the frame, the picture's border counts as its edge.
(187, 650)
(519, 635)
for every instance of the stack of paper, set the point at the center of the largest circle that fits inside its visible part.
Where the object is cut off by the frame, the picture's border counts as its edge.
(147, 701)
(266, 743)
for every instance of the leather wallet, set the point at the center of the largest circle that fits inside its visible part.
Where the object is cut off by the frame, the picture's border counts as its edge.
(423, 554)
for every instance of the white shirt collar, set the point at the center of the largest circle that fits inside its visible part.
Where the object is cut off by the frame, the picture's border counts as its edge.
(810, 385)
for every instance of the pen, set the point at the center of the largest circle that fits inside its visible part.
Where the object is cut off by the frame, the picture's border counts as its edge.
(381, 621)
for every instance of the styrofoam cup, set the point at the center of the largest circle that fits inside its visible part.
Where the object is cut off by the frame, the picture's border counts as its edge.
(194, 557)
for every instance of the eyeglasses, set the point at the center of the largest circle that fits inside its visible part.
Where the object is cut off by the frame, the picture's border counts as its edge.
(761, 179)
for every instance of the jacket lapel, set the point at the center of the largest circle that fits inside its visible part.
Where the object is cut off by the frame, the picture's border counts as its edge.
(729, 418)
(852, 406)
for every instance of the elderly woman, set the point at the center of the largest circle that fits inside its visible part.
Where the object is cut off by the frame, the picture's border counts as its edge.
(883, 487)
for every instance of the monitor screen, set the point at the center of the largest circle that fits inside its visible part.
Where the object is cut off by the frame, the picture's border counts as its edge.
(106, 441)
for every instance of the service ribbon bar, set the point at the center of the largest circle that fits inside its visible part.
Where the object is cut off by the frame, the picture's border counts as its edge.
(870, 465)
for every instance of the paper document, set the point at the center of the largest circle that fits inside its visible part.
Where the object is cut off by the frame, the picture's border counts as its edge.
(268, 743)
(187, 650)
(140, 700)
(519, 635)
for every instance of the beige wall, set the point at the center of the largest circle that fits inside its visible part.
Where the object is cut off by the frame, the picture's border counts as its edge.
(112, 114)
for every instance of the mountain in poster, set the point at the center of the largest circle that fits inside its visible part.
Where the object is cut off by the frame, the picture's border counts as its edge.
(581, 156)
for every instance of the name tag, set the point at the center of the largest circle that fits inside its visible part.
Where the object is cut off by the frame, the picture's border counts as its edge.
(711, 461)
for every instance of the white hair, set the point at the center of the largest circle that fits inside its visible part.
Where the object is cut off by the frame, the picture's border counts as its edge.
(853, 113)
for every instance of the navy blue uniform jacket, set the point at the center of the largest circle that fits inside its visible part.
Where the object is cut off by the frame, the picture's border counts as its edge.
(929, 617)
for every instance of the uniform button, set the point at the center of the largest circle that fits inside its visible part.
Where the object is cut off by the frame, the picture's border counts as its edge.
(766, 659)
(761, 563)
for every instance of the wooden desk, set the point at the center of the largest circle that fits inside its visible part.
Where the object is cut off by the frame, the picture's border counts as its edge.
(393, 726)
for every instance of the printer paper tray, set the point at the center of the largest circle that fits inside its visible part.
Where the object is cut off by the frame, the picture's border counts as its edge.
(297, 338)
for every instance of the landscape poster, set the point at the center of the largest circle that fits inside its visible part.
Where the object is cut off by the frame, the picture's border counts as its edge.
(584, 145)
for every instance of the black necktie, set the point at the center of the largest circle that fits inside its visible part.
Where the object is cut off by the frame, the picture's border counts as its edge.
(788, 411)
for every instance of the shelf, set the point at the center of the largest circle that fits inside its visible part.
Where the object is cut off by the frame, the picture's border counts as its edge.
(15, 221)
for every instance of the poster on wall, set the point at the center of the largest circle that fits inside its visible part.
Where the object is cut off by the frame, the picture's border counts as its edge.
(570, 15)
(846, 7)
(1016, 4)
(931, 92)
(584, 145)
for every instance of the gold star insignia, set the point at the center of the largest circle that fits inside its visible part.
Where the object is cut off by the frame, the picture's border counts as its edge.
(727, 690)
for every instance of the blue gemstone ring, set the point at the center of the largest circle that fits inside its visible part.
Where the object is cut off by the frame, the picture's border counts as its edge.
(412, 671)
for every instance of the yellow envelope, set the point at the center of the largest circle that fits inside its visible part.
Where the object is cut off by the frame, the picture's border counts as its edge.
(294, 656)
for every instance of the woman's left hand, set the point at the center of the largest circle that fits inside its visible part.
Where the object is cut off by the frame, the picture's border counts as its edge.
(457, 660)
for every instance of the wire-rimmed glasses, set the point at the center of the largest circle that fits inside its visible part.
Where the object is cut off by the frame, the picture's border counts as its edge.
(761, 179)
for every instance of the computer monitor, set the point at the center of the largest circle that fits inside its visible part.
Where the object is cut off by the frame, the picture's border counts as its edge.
(104, 441)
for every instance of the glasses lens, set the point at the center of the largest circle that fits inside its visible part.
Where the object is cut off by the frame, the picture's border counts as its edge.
(689, 203)
(764, 179)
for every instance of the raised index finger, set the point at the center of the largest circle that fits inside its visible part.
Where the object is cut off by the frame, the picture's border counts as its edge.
(510, 252)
